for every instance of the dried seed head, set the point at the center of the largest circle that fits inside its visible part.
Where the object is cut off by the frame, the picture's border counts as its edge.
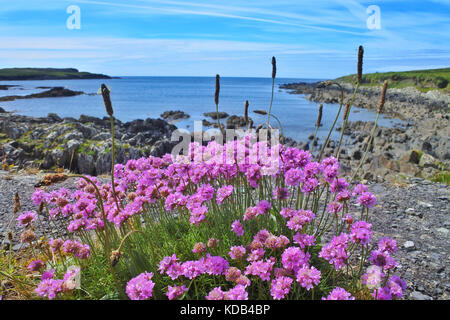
(212, 243)
(17, 205)
(319, 116)
(274, 67)
(41, 207)
(246, 111)
(199, 247)
(250, 123)
(382, 97)
(107, 99)
(217, 93)
(52, 178)
(360, 63)
(346, 110)
(260, 112)
(28, 236)
(115, 257)
(10, 236)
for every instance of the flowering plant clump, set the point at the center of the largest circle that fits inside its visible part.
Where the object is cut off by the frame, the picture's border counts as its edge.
(246, 219)
(244, 226)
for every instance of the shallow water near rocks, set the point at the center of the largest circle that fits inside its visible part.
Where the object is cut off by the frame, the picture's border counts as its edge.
(148, 97)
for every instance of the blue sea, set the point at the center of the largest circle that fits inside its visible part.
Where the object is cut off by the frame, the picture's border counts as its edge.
(144, 97)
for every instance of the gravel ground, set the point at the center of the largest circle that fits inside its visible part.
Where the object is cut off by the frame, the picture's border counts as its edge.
(414, 213)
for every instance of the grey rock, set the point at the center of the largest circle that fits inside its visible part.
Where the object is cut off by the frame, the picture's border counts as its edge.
(417, 295)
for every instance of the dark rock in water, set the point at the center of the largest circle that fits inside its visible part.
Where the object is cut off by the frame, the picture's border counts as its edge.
(174, 115)
(213, 115)
(206, 123)
(52, 93)
(2, 110)
(236, 122)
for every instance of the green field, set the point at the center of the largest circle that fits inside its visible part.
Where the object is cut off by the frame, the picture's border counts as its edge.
(9, 74)
(424, 80)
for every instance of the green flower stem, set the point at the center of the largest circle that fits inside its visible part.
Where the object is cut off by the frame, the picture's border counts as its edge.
(369, 143)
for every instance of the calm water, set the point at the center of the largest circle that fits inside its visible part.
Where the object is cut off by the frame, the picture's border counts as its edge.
(143, 97)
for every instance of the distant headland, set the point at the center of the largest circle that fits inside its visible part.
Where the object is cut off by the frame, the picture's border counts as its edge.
(16, 74)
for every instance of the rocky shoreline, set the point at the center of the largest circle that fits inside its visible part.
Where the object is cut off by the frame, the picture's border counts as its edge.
(419, 149)
(81, 145)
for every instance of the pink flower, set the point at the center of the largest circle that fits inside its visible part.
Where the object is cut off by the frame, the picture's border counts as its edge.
(35, 265)
(224, 193)
(140, 287)
(236, 226)
(304, 240)
(293, 258)
(308, 277)
(280, 287)
(237, 252)
(175, 291)
(339, 294)
(261, 268)
(367, 199)
(215, 294)
(26, 218)
(361, 232)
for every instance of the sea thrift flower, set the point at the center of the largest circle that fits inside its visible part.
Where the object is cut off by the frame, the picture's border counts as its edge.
(236, 226)
(367, 199)
(192, 269)
(300, 218)
(304, 240)
(212, 243)
(250, 213)
(79, 250)
(263, 207)
(236, 293)
(232, 274)
(361, 233)
(224, 193)
(170, 266)
(49, 288)
(288, 213)
(373, 277)
(339, 294)
(343, 196)
(338, 185)
(55, 244)
(236, 253)
(199, 248)
(48, 274)
(175, 291)
(215, 294)
(387, 245)
(382, 259)
(26, 218)
(308, 277)
(310, 185)
(214, 265)
(35, 265)
(140, 287)
(260, 268)
(293, 258)
(359, 189)
(256, 254)
(336, 251)
(38, 197)
(334, 207)
(280, 287)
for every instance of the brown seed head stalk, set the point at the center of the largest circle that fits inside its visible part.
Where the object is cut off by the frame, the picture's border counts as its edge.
(107, 99)
(360, 63)
(382, 97)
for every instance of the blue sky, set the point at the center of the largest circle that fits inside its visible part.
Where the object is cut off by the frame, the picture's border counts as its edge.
(311, 39)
